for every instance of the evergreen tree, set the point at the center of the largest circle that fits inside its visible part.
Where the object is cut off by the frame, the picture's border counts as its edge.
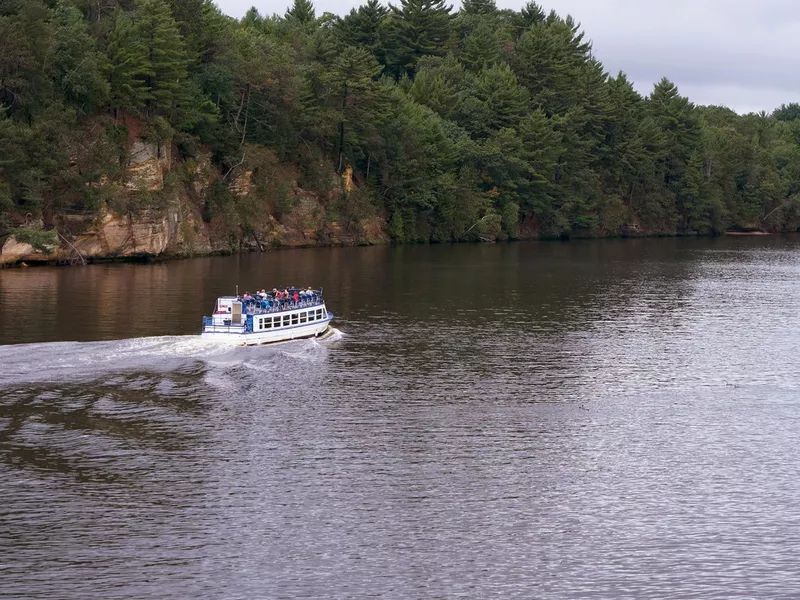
(26, 34)
(442, 85)
(503, 102)
(415, 29)
(549, 59)
(478, 7)
(78, 66)
(676, 118)
(355, 90)
(166, 55)
(129, 67)
(364, 27)
(531, 14)
(787, 112)
(302, 12)
(483, 46)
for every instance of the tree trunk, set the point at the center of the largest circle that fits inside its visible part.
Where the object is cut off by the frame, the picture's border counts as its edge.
(241, 107)
(246, 116)
(341, 131)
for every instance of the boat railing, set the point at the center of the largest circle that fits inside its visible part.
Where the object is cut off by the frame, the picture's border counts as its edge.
(209, 327)
(266, 307)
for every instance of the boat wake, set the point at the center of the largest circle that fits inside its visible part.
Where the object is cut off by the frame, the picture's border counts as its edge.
(76, 361)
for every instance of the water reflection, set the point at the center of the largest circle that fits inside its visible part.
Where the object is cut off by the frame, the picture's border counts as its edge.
(592, 419)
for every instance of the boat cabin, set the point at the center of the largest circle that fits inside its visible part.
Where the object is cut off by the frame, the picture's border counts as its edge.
(267, 312)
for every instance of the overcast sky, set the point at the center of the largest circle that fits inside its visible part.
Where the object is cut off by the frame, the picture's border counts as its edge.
(738, 53)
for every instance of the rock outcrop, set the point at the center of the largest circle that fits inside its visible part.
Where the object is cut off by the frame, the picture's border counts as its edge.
(14, 252)
(121, 237)
(174, 225)
(148, 164)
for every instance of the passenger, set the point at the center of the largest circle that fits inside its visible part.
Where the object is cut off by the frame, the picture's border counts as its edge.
(296, 297)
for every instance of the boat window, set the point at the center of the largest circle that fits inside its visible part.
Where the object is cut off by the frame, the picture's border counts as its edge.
(311, 315)
(266, 323)
(303, 316)
(319, 313)
(294, 319)
(285, 320)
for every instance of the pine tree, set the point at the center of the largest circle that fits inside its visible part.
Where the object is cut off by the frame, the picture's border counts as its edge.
(166, 55)
(26, 36)
(478, 7)
(483, 46)
(302, 12)
(352, 78)
(78, 67)
(787, 112)
(417, 28)
(252, 18)
(503, 102)
(128, 65)
(364, 27)
(550, 57)
(442, 84)
(676, 118)
(531, 14)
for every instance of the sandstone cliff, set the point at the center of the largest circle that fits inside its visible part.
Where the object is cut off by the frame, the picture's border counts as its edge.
(164, 206)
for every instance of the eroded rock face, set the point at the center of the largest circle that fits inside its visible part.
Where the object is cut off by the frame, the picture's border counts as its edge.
(14, 251)
(148, 164)
(243, 184)
(122, 237)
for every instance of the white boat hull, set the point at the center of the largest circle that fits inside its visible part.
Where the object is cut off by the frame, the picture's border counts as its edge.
(243, 338)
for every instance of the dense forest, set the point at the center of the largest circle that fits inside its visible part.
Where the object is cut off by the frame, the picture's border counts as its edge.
(442, 125)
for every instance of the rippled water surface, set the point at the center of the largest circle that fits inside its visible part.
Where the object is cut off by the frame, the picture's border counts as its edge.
(613, 419)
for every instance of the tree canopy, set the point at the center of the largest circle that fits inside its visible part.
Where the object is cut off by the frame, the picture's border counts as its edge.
(451, 125)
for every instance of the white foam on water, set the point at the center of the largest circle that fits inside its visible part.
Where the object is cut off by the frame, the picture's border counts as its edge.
(74, 361)
(61, 361)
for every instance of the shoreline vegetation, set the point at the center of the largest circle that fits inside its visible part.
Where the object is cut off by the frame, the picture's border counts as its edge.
(139, 129)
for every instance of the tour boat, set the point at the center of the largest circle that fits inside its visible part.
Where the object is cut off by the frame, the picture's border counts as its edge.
(268, 317)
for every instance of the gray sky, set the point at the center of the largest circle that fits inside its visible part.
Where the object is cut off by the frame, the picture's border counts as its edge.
(737, 53)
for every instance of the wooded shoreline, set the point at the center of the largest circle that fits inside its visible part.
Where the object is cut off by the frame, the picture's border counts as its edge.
(134, 128)
(35, 260)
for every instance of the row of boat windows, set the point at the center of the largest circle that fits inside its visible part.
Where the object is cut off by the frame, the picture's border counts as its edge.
(288, 320)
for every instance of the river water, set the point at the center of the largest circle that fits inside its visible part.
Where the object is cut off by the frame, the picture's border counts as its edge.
(600, 419)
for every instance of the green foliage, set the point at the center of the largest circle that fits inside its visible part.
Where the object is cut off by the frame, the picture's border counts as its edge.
(481, 124)
(787, 112)
(128, 65)
(364, 28)
(78, 66)
(415, 29)
(302, 12)
(34, 234)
